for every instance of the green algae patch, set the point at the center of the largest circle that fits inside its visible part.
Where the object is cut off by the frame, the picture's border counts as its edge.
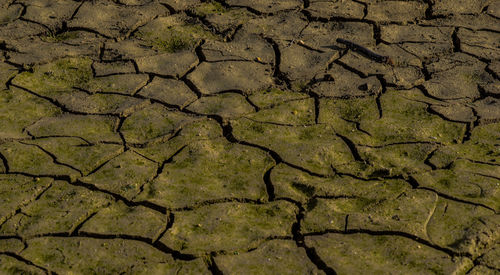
(154, 121)
(59, 75)
(405, 120)
(465, 181)
(77, 152)
(123, 175)
(292, 183)
(16, 190)
(26, 158)
(99, 256)
(481, 147)
(272, 257)
(19, 109)
(345, 116)
(91, 128)
(383, 255)
(231, 227)
(59, 37)
(315, 148)
(119, 219)
(398, 159)
(161, 150)
(59, 210)
(172, 34)
(464, 228)
(209, 8)
(404, 210)
(11, 265)
(209, 170)
(11, 245)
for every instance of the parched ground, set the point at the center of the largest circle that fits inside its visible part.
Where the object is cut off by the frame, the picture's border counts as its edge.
(239, 137)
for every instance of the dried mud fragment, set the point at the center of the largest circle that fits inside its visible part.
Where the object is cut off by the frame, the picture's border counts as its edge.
(328, 9)
(267, 6)
(316, 147)
(290, 26)
(92, 128)
(446, 7)
(18, 29)
(270, 97)
(126, 84)
(17, 191)
(153, 122)
(119, 219)
(383, 254)
(300, 65)
(346, 84)
(168, 91)
(229, 21)
(97, 256)
(462, 185)
(470, 21)
(168, 64)
(296, 112)
(108, 68)
(396, 11)
(11, 245)
(110, 19)
(209, 170)
(10, 13)
(273, 257)
(11, 265)
(424, 42)
(226, 105)
(488, 109)
(230, 227)
(18, 110)
(456, 76)
(480, 43)
(6, 72)
(455, 225)
(50, 13)
(68, 205)
(26, 158)
(123, 175)
(78, 153)
(244, 47)
(455, 112)
(414, 123)
(217, 77)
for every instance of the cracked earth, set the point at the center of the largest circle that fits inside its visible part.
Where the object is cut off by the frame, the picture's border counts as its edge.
(239, 137)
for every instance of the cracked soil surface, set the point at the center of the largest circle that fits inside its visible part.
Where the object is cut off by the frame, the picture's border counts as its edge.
(239, 137)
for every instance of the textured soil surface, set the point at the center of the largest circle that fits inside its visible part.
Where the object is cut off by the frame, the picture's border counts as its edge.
(239, 137)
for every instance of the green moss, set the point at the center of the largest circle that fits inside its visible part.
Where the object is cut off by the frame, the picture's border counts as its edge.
(51, 37)
(59, 75)
(209, 8)
(175, 43)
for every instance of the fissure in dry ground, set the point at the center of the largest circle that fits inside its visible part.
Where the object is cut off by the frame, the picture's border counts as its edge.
(239, 137)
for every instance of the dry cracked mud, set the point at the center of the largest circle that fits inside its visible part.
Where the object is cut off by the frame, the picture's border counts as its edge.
(240, 137)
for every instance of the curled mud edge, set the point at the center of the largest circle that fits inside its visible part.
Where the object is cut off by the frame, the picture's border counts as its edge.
(366, 52)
